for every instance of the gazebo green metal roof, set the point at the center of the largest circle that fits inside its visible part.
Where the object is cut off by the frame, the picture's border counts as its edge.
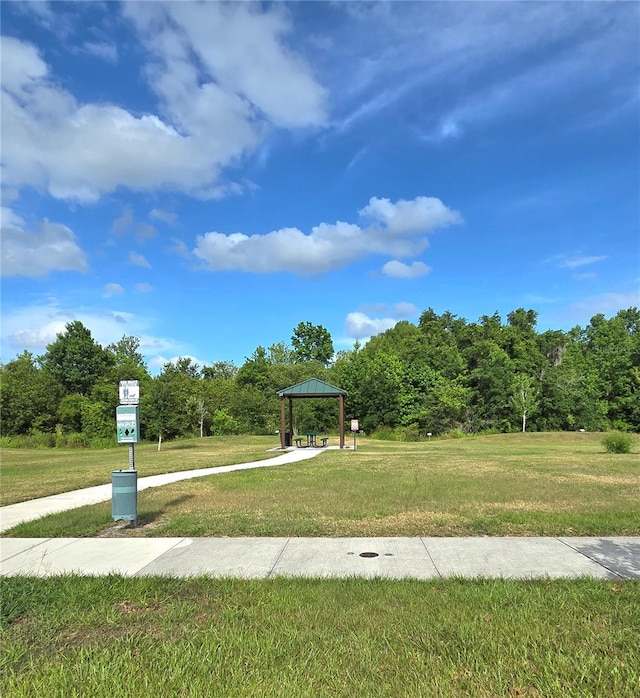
(313, 387)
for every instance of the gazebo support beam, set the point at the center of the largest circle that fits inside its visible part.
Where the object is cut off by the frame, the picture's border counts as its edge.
(282, 423)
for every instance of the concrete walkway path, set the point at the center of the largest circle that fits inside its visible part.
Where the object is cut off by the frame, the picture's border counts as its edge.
(261, 558)
(13, 514)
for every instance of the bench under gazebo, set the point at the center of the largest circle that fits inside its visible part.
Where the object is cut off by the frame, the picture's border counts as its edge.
(312, 388)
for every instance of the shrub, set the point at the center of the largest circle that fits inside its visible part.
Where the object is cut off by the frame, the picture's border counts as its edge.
(386, 434)
(454, 434)
(75, 441)
(618, 442)
(411, 433)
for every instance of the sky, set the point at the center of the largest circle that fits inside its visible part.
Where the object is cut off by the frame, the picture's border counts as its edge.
(206, 176)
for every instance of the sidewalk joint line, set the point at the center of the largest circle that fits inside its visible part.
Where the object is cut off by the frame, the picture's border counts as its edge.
(433, 562)
(280, 554)
(597, 562)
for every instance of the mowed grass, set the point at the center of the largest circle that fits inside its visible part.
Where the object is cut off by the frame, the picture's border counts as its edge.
(31, 473)
(513, 484)
(114, 636)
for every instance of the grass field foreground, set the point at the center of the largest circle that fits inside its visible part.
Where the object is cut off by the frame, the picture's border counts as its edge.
(511, 484)
(31, 473)
(115, 636)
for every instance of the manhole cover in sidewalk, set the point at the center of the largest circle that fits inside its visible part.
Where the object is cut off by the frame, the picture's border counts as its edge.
(368, 554)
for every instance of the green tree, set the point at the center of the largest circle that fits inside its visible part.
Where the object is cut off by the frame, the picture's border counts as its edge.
(280, 353)
(224, 370)
(29, 396)
(312, 343)
(611, 350)
(75, 360)
(490, 376)
(524, 397)
(254, 372)
(161, 409)
(125, 351)
(223, 423)
(70, 412)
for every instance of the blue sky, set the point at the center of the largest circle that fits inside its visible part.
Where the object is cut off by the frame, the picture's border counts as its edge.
(205, 176)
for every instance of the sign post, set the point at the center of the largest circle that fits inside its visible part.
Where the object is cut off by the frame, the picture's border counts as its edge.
(354, 429)
(124, 497)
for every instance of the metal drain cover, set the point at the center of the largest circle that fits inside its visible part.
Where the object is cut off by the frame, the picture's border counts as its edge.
(368, 554)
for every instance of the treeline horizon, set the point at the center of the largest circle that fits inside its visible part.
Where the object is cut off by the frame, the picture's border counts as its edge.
(441, 375)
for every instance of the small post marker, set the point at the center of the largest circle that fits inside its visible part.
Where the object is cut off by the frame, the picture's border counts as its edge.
(354, 429)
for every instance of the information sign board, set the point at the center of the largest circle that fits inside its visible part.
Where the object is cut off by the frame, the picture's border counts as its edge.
(354, 425)
(127, 424)
(129, 392)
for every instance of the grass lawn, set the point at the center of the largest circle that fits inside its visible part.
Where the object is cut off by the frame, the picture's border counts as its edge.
(114, 636)
(31, 473)
(511, 484)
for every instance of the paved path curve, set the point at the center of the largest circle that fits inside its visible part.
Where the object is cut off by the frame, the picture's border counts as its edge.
(13, 514)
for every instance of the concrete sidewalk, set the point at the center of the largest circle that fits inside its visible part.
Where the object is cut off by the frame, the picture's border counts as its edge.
(262, 558)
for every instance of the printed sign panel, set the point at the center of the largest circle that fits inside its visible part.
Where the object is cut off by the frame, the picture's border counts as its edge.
(129, 392)
(354, 425)
(127, 425)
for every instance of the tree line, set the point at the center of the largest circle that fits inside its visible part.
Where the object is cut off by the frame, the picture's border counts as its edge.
(441, 375)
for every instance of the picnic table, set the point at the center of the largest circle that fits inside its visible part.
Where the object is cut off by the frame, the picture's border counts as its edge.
(311, 438)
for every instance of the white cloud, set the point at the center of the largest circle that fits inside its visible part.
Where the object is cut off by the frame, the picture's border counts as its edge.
(216, 69)
(399, 270)
(139, 259)
(606, 303)
(144, 287)
(33, 327)
(360, 326)
(240, 47)
(123, 222)
(113, 289)
(419, 215)
(536, 50)
(101, 49)
(145, 231)
(180, 249)
(396, 310)
(164, 216)
(401, 310)
(574, 262)
(34, 254)
(396, 228)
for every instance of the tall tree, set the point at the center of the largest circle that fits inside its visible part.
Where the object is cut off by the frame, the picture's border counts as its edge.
(223, 370)
(76, 360)
(312, 343)
(162, 409)
(29, 396)
(125, 351)
(524, 397)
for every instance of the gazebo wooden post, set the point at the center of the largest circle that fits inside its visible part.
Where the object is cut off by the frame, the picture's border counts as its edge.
(290, 420)
(282, 423)
(341, 421)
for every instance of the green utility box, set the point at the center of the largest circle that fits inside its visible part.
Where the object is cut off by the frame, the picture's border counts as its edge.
(124, 495)
(128, 424)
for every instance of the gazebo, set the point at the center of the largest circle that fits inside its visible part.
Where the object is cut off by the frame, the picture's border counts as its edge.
(312, 388)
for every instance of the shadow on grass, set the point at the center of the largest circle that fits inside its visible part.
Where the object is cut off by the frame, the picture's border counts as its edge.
(149, 517)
